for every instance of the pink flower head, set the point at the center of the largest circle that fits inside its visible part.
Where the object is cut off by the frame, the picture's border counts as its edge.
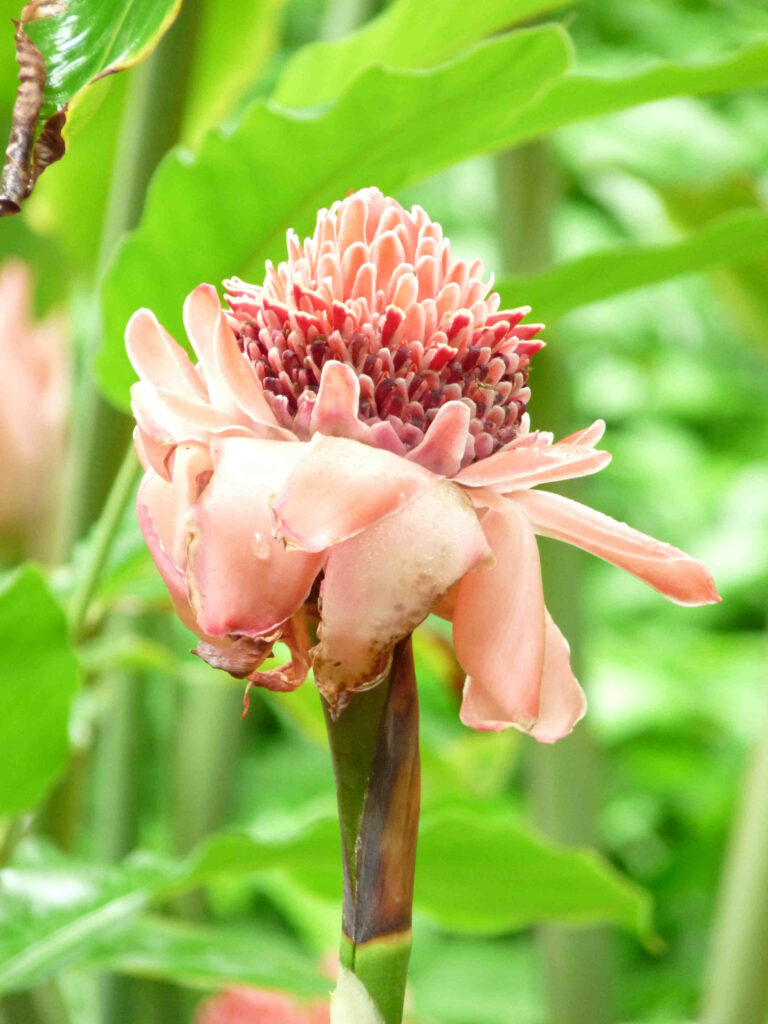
(353, 446)
(34, 411)
(257, 1006)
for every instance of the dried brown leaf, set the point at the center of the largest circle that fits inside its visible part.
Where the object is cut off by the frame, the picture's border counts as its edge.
(25, 158)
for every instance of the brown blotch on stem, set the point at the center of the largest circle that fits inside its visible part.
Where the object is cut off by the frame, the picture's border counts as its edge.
(27, 156)
(378, 902)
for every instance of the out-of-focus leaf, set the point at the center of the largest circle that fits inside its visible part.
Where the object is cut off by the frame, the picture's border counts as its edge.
(480, 873)
(38, 677)
(209, 957)
(61, 49)
(53, 912)
(732, 238)
(227, 209)
(408, 34)
(578, 96)
(235, 40)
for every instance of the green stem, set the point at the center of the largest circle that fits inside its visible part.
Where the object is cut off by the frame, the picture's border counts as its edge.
(106, 530)
(565, 777)
(736, 988)
(375, 749)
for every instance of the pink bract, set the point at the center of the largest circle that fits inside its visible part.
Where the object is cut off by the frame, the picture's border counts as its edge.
(257, 1006)
(353, 449)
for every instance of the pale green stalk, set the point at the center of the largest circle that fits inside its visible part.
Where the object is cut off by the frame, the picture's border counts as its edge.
(578, 967)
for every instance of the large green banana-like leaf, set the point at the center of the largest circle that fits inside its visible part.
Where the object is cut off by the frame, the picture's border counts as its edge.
(408, 34)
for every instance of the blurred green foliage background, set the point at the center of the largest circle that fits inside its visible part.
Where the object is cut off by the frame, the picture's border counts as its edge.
(506, 929)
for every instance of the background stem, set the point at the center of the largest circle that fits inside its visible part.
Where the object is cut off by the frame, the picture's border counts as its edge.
(565, 775)
(736, 983)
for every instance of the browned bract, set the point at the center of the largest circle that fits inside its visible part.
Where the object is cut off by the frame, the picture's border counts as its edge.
(25, 158)
(379, 902)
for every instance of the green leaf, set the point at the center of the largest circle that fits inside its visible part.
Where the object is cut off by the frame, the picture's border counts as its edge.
(482, 873)
(477, 872)
(408, 34)
(578, 96)
(729, 239)
(209, 957)
(38, 677)
(93, 38)
(53, 912)
(277, 168)
(235, 40)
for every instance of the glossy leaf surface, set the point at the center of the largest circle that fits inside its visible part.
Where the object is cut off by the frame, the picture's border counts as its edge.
(92, 38)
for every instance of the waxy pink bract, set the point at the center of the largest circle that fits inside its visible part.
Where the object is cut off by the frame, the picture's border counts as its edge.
(360, 421)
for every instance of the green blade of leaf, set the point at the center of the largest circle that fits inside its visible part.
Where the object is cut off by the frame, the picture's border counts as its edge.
(578, 96)
(38, 677)
(277, 168)
(729, 239)
(408, 34)
(209, 957)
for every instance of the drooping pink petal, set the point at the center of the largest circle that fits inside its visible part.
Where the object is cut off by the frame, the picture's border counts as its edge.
(380, 584)
(157, 358)
(338, 487)
(240, 578)
(588, 436)
(563, 703)
(155, 506)
(498, 628)
(445, 443)
(667, 569)
(519, 468)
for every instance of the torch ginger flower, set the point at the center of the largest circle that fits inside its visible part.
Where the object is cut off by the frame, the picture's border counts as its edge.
(353, 445)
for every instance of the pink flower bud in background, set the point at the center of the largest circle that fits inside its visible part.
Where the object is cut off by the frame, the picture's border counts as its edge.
(354, 446)
(34, 412)
(257, 1006)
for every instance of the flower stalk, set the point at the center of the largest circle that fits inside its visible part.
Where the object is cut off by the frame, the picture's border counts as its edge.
(374, 744)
